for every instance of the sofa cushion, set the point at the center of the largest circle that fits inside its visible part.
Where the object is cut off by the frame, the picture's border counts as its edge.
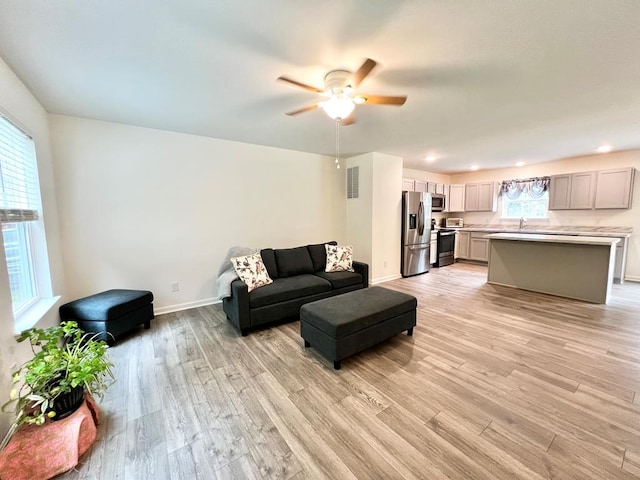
(319, 255)
(293, 261)
(284, 289)
(251, 270)
(269, 259)
(339, 258)
(341, 279)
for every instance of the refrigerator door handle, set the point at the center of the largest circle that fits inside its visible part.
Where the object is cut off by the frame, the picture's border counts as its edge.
(421, 219)
(420, 248)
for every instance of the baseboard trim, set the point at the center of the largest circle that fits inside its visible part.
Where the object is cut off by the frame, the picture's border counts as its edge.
(185, 306)
(631, 278)
(388, 278)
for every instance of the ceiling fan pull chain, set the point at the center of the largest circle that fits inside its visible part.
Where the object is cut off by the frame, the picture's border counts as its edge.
(338, 143)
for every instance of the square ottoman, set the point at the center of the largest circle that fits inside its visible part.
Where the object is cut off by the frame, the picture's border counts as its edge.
(112, 313)
(346, 324)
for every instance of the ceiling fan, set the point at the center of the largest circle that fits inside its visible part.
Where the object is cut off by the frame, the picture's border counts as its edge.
(340, 97)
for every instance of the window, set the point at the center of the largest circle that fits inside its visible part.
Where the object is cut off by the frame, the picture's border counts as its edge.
(528, 198)
(525, 206)
(20, 206)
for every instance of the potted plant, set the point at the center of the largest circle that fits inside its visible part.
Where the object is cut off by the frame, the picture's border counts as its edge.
(66, 362)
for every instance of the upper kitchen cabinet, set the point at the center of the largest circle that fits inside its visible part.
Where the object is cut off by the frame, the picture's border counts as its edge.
(559, 192)
(480, 197)
(408, 185)
(573, 191)
(455, 198)
(421, 186)
(589, 190)
(583, 190)
(614, 188)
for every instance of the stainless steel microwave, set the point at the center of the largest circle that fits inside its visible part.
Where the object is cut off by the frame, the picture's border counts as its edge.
(437, 202)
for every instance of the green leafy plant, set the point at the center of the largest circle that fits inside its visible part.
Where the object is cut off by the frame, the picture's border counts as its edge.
(64, 357)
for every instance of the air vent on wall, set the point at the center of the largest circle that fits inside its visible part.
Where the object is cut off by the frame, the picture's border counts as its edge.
(353, 184)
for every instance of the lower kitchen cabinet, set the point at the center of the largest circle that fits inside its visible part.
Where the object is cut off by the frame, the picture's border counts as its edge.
(472, 246)
(433, 249)
(479, 247)
(461, 249)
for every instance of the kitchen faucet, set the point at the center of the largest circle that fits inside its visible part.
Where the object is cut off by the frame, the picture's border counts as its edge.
(522, 222)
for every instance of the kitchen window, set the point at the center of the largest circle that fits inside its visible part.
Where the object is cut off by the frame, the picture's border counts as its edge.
(25, 249)
(528, 198)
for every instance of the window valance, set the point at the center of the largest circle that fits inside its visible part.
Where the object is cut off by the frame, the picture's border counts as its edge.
(534, 187)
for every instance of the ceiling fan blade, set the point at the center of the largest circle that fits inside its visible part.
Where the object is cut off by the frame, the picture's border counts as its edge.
(362, 72)
(350, 120)
(382, 100)
(302, 110)
(301, 85)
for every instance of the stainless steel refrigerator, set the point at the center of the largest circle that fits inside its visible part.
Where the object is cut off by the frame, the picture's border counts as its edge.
(416, 232)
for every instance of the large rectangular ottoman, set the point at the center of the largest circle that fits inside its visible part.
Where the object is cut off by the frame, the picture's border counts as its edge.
(111, 313)
(344, 325)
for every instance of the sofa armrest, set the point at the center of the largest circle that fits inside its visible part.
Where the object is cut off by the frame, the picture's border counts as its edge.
(362, 269)
(237, 306)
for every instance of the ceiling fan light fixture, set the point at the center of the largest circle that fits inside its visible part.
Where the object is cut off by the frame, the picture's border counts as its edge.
(338, 107)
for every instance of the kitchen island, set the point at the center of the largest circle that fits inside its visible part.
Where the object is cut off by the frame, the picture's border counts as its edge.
(579, 267)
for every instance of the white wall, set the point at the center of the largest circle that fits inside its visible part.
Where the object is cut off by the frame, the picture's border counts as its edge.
(613, 218)
(142, 208)
(374, 219)
(17, 103)
(387, 217)
(359, 211)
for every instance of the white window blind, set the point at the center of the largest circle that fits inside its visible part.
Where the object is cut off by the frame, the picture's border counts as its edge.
(19, 188)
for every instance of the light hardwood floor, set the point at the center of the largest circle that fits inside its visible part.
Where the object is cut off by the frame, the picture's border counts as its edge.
(496, 383)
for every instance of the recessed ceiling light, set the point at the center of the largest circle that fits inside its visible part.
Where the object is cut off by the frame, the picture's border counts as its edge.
(604, 149)
(474, 167)
(519, 164)
(430, 158)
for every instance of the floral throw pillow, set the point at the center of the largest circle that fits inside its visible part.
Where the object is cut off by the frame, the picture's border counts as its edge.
(339, 258)
(251, 270)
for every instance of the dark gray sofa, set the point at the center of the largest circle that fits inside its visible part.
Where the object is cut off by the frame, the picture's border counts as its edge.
(298, 277)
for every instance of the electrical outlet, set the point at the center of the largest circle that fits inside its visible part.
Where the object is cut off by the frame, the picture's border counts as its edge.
(175, 286)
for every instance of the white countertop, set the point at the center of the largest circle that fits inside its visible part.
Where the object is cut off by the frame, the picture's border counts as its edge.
(620, 232)
(534, 237)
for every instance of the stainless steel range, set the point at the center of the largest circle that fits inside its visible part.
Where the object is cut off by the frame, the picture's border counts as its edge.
(446, 245)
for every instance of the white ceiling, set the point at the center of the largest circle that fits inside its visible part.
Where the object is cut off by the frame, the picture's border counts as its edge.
(489, 82)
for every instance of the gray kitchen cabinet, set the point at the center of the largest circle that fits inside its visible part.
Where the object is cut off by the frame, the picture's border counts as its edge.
(461, 247)
(431, 187)
(478, 247)
(456, 198)
(583, 190)
(440, 188)
(420, 186)
(573, 191)
(559, 192)
(433, 250)
(614, 188)
(480, 197)
(486, 197)
(408, 185)
(471, 197)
